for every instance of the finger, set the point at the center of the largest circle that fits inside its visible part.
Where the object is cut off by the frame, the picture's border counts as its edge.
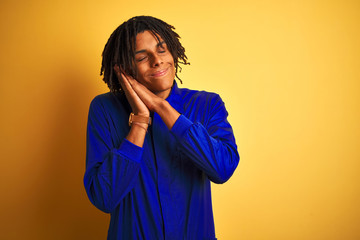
(122, 77)
(118, 72)
(138, 87)
(126, 79)
(145, 95)
(117, 69)
(133, 85)
(118, 75)
(134, 89)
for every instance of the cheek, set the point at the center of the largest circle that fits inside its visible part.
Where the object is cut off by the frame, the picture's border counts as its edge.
(171, 62)
(141, 72)
(170, 59)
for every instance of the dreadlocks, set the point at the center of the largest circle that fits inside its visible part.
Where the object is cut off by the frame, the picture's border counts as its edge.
(120, 48)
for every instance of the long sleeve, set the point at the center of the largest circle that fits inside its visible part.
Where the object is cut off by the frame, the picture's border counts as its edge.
(111, 171)
(210, 144)
(162, 190)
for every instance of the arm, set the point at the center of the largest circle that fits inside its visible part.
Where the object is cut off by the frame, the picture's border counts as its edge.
(111, 171)
(212, 148)
(138, 131)
(154, 103)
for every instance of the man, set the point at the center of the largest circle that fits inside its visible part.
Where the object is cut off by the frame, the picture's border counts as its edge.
(153, 148)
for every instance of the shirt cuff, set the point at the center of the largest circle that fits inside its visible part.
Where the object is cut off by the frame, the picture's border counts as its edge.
(181, 125)
(130, 151)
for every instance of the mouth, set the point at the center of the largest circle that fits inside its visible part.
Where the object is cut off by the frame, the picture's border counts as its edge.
(160, 73)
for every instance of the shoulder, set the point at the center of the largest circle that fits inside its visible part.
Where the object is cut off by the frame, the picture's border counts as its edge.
(106, 99)
(198, 106)
(190, 97)
(102, 98)
(109, 104)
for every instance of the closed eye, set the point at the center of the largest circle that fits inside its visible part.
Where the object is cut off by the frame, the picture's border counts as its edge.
(162, 47)
(141, 59)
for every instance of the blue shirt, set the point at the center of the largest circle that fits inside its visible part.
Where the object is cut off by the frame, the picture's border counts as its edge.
(162, 190)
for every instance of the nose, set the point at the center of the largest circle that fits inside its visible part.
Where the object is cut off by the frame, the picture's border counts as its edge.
(156, 61)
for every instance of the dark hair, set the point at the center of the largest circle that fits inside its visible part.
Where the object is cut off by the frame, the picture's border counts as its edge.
(120, 48)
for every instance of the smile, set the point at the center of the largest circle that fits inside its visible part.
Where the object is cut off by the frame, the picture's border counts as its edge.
(160, 73)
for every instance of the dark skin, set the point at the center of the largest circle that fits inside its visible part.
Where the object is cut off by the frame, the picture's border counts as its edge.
(147, 93)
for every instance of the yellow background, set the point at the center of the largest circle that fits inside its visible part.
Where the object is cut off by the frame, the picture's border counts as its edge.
(288, 72)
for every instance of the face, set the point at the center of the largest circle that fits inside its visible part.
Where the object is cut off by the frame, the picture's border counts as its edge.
(154, 63)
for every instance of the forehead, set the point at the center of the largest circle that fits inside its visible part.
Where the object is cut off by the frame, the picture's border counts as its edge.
(147, 39)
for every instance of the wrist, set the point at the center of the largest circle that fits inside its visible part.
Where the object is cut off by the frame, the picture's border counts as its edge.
(161, 106)
(143, 114)
(168, 114)
(143, 126)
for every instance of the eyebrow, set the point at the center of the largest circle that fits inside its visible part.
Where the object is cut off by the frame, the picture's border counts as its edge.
(157, 45)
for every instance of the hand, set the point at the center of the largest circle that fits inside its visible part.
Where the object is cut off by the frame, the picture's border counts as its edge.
(137, 105)
(155, 104)
(152, 101)
(141, 99)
